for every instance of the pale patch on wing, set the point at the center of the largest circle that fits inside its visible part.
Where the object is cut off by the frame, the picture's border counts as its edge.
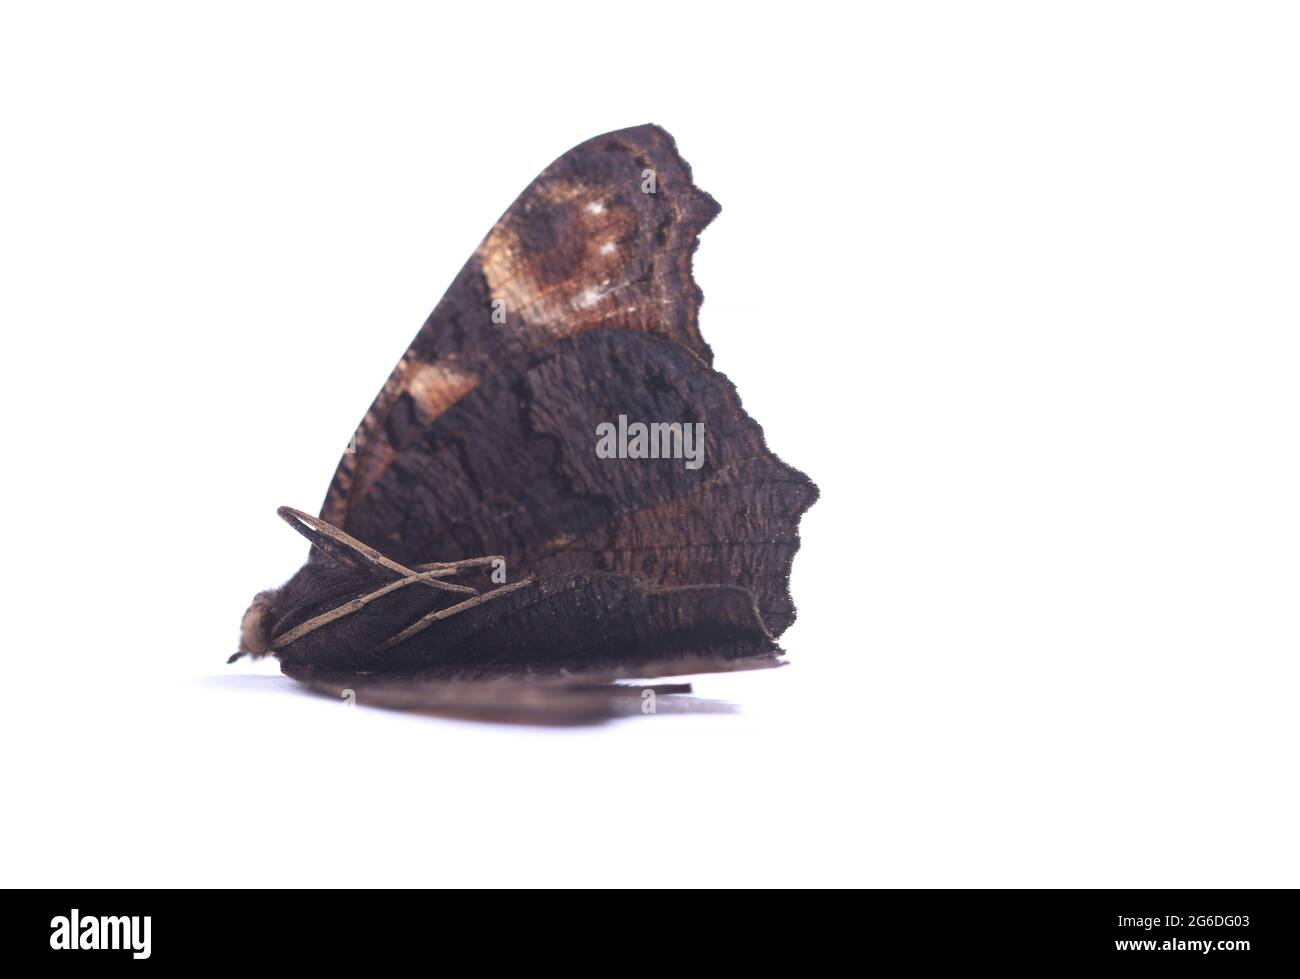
(436, 387)
(433, 387)
(560, 291)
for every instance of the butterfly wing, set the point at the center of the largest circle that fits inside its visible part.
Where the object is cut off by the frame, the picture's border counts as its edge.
(585, 245)
(578, 307)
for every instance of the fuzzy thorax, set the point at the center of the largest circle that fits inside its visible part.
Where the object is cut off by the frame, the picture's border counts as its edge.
(255, 628)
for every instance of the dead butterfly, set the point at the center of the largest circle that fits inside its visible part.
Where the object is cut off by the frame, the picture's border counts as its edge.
(556, 434)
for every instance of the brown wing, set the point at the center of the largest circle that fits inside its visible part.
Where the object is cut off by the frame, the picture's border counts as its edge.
(579, 306)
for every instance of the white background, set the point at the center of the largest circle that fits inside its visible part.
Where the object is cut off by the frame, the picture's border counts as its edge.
(1016, 284)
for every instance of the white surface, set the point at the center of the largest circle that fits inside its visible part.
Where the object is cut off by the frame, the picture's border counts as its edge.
(1014, 283)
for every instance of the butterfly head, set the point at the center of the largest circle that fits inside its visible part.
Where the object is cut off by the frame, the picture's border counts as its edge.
(255, 627)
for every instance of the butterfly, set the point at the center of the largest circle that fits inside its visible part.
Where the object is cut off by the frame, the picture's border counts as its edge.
(554, 490)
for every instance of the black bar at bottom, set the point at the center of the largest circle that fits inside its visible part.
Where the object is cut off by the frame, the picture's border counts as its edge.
(1141, 929)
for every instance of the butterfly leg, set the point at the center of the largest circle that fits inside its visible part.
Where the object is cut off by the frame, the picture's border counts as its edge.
(420, 574)
(424, 623)
(456, 567)
(345, 548)
(355, 605)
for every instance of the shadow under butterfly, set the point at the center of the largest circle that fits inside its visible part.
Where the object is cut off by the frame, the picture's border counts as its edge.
(554, 491)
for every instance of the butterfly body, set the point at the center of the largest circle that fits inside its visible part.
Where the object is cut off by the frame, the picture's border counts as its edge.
(574, 623)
